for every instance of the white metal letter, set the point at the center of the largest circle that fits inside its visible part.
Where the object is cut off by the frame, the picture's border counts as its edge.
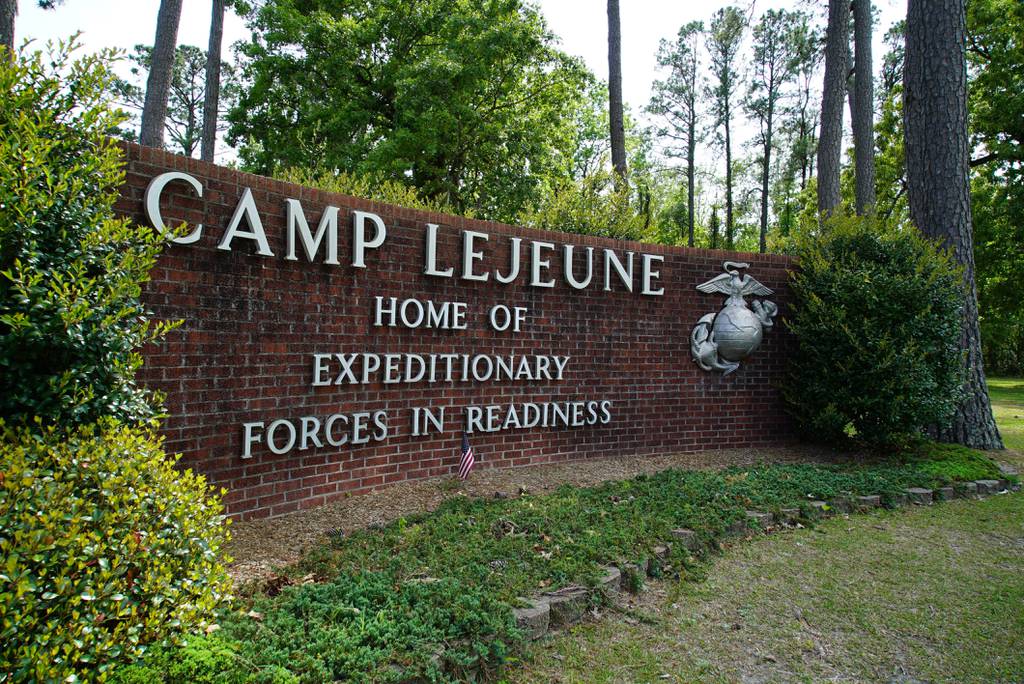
(469, 255)
(153, 191)
(247, 208)
(359, 242)
(296, 219)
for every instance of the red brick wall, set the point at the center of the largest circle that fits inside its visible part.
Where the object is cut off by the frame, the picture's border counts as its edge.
(251, 325)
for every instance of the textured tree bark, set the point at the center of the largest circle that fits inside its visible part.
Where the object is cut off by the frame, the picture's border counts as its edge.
(8, 11)
(830, 140)
(864, 109)
(212, 100)
(938, 167)
(618, 131)
(158, 85)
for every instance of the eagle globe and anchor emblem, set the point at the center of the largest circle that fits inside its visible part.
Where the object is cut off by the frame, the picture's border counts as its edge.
(720, 341)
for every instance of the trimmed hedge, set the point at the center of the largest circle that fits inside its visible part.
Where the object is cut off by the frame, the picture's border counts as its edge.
(877, 316)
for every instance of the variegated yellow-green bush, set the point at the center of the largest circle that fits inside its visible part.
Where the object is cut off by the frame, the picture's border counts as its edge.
(106, 548)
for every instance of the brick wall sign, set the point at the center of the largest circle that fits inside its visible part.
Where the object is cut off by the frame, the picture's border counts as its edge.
(333, 345)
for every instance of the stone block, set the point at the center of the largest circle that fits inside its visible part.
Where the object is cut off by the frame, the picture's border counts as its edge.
(842, 505)
(920, 496)
(611, 581)
(660, 552)
(637, 570)
(738, 528)
(567, 605)
(533, 619)
(688, 538)
(900, 500)
(820, 509)
(945, 494)
(789, 516)
(869, 501)
(760, 520)
(987, 487)
(966, 489)
(1003, 486)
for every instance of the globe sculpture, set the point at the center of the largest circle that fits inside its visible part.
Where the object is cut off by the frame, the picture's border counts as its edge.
(737, 331)
(720, 341)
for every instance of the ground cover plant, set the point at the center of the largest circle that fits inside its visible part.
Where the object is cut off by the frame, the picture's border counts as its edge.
(430, 595)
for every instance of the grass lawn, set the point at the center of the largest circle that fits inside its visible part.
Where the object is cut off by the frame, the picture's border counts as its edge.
(1008, 404)
(928, 593)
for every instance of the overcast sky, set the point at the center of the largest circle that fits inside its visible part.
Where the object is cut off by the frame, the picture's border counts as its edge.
(581, 25)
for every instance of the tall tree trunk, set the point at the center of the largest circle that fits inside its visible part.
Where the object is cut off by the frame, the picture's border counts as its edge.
(765, 173)
(691, 160)
(8, 11)
(938, 190)
(805, 152)
(713, 226)
(729, 234)
(154, 109)
(863, 112)
(618, 131)
(830, 140)
(212, 100)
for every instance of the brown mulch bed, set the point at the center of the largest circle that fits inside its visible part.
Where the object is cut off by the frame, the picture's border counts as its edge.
(258, 547)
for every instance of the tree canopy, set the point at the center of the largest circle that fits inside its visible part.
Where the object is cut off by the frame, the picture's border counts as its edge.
(469, 102)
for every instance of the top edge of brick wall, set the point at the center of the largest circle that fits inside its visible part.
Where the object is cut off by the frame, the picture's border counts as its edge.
(164, 158)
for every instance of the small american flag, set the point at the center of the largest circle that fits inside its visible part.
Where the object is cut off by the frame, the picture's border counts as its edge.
(467, 458)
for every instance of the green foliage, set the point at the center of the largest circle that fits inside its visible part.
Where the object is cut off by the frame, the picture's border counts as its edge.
(998, 207)
(199, 660)
(367, 626)
(379, 190)
(377, 627)
(70, 274)
(954, 463)
(106, 549)
(591, 206)
(995, 52)
(877, 317)
(469, 102)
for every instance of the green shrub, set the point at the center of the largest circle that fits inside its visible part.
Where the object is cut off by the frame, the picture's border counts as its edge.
(590, 206)
(877, 319)
(376, 189)
(70, 274)
(106, 549)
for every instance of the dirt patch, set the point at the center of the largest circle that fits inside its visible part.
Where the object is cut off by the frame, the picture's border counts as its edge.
(259, 546)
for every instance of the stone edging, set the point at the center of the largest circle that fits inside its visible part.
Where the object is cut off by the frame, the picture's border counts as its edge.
(552, 610)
